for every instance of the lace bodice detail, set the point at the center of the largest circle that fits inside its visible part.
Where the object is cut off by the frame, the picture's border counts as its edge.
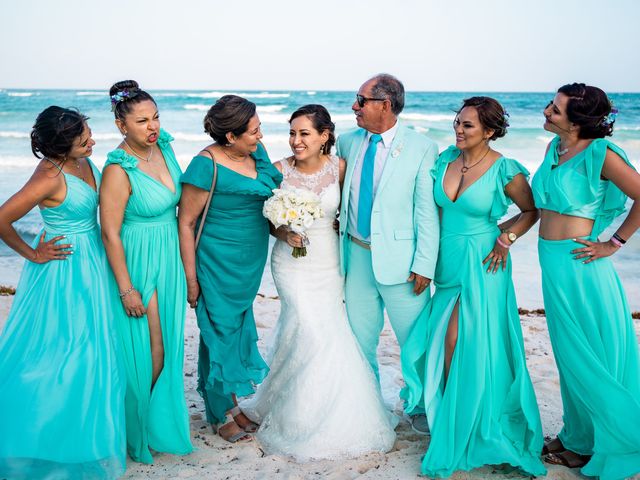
(316, 182)
(325, 183)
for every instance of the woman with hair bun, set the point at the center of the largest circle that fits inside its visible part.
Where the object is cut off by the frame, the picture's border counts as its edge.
(581, 187)
(62, 384)
(224, 274)
(321, 398)
(465, 357)
(140, 191)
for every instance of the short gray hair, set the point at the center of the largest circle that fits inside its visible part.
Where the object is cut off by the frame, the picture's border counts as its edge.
(389, 87)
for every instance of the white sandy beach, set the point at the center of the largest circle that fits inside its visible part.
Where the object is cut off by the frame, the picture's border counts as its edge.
(217, 459)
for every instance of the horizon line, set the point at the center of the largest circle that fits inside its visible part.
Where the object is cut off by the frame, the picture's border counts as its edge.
(249, 90)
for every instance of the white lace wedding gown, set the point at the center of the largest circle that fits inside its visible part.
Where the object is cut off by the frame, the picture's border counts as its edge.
(320, 399)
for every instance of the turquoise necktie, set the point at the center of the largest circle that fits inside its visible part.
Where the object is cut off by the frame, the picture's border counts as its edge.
(365, 200)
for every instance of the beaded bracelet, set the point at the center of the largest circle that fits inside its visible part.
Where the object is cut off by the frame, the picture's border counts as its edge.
(127, 291)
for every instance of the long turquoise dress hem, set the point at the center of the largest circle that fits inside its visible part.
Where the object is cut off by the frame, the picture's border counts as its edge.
(229, 262)
(487, 412)
(61, 379)
(156, 418)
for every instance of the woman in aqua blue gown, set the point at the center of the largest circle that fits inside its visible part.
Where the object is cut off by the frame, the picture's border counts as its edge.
(61, 382)
(465, 356)
(581, 187)
(224, 274)
(140, 191)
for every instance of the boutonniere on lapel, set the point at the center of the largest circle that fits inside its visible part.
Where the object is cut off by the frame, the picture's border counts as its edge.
(396, 151)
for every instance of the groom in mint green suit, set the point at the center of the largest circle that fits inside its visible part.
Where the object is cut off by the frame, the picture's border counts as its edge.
(389, 228)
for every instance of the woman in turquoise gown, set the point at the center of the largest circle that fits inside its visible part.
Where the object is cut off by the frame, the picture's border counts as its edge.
(140, 191)
(465, 356)
(224, 274)
(61, 382)
(581, 186)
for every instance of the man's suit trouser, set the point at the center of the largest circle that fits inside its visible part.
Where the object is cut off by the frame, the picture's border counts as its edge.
(366, 300)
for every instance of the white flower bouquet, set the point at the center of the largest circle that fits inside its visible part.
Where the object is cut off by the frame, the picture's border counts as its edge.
(296, 209)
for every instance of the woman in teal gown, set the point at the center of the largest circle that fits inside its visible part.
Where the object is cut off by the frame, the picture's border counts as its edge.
(581, 186)
(465, 356)
(224, 275)
(61, 382)
(140, 191)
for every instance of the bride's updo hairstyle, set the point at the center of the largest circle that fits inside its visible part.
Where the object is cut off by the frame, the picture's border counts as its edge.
(230, 114)
(55, 130)
(124, 95)
(491, 114)
(590, 109)
(321, 121)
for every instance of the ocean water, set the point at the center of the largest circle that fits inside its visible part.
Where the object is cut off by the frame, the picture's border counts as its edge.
(182, 112)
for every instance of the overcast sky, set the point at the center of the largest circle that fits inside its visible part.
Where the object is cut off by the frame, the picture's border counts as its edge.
(491, 45)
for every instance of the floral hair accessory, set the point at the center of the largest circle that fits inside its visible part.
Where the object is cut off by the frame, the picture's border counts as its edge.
(609, 119)
(120, 96)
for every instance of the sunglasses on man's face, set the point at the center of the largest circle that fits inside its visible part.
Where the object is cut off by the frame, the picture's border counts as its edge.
(362, 100)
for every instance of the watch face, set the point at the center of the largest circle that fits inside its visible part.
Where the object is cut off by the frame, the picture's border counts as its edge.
(512, 236)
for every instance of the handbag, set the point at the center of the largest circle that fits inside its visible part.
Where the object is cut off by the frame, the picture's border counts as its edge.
(209, 197)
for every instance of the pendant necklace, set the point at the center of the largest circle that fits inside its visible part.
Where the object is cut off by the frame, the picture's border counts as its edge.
(466, 168)
(148, 159)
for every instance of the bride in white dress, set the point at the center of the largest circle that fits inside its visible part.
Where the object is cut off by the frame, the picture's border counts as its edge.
(320, 399)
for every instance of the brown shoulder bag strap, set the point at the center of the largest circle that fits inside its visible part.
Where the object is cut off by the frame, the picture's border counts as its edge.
(209, 197)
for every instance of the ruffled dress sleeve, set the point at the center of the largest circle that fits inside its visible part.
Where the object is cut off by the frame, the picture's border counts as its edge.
(614, 199)
(199, 173)
(507, 170)
(122, 158)
(268, 174)
(164, 139)
(444, 159)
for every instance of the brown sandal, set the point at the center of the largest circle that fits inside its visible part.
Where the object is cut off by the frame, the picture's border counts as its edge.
(240, 436)
(552, 446)
(568, 459)
(250, 427)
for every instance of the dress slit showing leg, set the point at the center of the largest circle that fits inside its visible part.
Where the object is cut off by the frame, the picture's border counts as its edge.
(455, 312)
(154, 301)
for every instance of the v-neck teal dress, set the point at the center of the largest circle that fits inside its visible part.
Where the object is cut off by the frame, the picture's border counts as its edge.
(61, 380)
(590, 324)
(229, 262)
(487, 411)
(157, 418)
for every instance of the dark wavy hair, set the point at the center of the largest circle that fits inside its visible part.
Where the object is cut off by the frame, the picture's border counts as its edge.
(589, 108)
(321, 121)
(55, 130)
(491, 114)
(230, 114)
(132, 94)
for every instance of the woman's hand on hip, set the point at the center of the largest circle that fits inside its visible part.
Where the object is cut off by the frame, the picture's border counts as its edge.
(497, 258)
(47, 251)
(593, 250)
